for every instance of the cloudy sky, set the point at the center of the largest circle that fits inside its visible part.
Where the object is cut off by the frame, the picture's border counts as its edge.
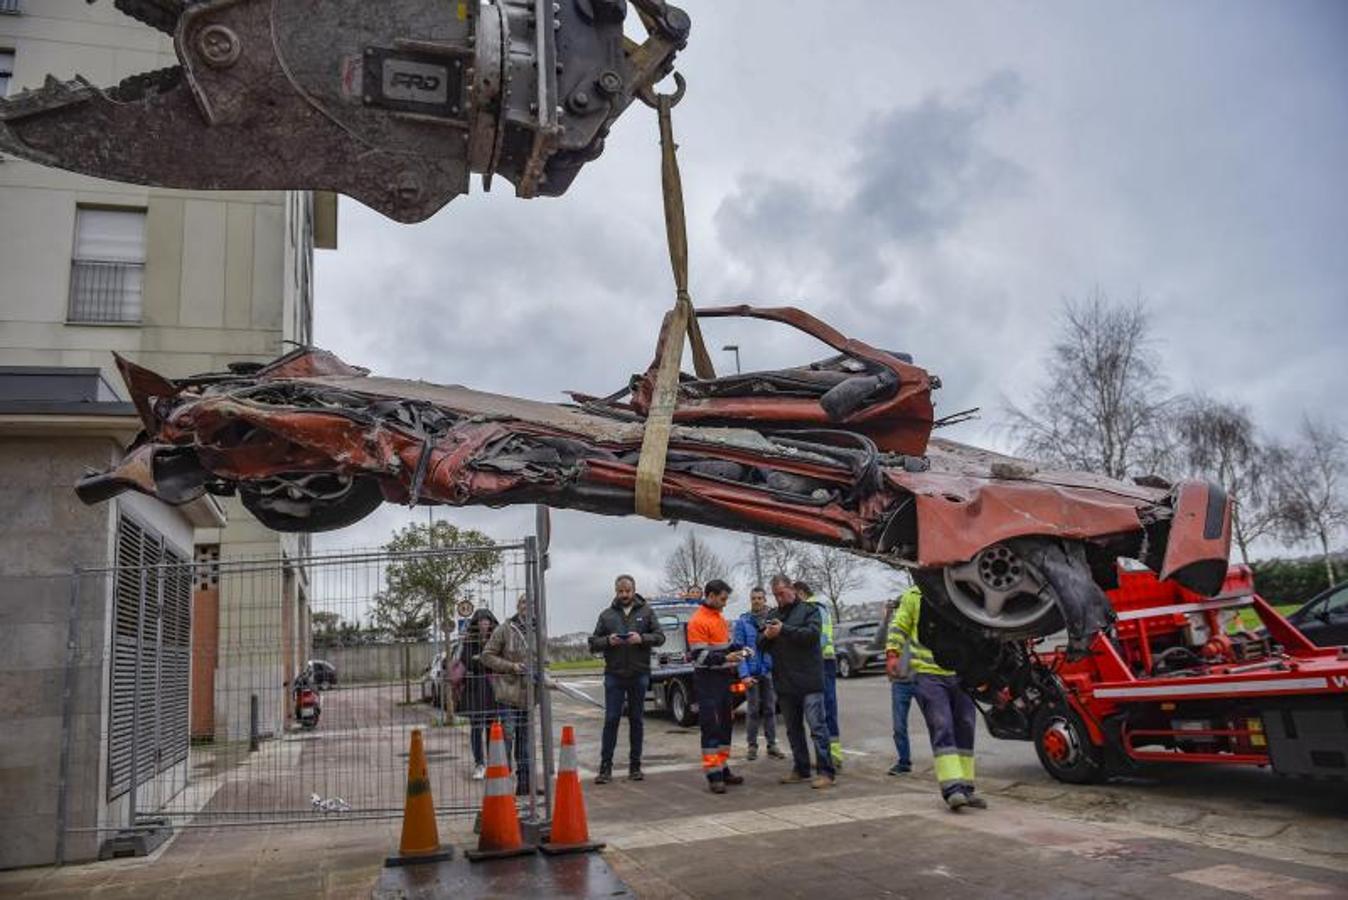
(934, 178)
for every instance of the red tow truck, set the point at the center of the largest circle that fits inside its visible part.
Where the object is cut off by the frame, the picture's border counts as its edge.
(1177, 680)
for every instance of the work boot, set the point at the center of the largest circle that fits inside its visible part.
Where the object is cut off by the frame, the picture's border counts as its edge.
(822, 782)
(634, 772)
(605, 773)
(730, 777)
(899, 769)
(716, 787)
(775, 752)
(977, 802)
(957, 801)
(752, 754)
(793, 777)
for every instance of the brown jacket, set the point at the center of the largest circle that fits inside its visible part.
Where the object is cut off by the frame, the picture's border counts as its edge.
(508, 646)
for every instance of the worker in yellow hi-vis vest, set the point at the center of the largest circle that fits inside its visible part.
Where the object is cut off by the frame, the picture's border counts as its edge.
(947, 708)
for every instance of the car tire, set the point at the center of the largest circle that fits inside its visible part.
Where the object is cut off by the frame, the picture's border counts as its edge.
(936, 588)
(845, 667)
(680, 705)
(1064, 746)
(347, 503)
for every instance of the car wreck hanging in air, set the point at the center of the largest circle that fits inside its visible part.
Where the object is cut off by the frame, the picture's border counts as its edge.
(837, 452)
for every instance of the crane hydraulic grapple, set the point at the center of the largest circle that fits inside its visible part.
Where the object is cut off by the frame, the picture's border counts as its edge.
(394, 103)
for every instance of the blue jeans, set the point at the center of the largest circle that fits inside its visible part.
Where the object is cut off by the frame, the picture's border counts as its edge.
(798, 711)
(901, 701)
(479, 731)
(617, 691)
(762, 708)
(515, 724)
(831, 698)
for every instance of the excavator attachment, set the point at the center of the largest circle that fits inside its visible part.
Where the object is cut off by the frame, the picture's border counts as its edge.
(393, 103)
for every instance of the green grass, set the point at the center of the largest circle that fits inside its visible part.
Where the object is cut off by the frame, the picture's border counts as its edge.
(576, 665)
(1250, 620)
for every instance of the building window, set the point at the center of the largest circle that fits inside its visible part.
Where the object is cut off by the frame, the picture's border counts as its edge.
(6, 67)
(108, 268)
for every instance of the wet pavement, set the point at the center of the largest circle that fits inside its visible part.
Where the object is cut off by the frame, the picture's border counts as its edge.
(1195, 832)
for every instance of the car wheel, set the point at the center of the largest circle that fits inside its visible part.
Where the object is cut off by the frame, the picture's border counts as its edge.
(1064, 746)
(680, 705)
(310, 502)
(844, 666)
(998, 594)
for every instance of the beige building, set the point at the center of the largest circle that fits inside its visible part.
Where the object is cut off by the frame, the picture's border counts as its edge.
(184, 283)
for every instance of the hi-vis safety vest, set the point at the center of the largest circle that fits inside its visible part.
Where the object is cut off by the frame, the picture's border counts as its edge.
(826, 629)
(903, 633)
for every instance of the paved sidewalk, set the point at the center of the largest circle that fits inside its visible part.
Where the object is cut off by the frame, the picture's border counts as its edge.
(872, 835)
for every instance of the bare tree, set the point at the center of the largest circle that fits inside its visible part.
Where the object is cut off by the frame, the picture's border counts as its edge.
(783, 557)
(1311, 482)
(1218, 441)
(693, 562)
(834, 572)
(1104, 406)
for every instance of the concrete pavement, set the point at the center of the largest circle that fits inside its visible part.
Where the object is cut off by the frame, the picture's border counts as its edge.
(1199, 833)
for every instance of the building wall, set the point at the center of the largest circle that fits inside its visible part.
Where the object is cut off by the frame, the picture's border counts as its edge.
(44, 529)
(227, 276)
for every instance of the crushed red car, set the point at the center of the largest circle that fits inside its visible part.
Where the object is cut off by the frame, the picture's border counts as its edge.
(837, 452)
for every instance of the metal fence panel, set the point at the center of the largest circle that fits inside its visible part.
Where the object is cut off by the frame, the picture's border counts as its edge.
(396, 618)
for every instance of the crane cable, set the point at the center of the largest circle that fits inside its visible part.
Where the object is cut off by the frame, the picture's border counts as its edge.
(680, 320)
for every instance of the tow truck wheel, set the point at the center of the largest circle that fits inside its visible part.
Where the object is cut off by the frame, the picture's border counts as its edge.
(1064, 746)
(680, 705)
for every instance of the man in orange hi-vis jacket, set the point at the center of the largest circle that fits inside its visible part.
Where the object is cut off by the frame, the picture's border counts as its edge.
(715, 666)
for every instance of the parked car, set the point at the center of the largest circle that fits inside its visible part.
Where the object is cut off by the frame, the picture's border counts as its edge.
(854, 646)
(1324, 619)
(433, 680)
(322, 673)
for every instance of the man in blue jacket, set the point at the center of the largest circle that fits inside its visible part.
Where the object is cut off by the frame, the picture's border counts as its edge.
(756, 675)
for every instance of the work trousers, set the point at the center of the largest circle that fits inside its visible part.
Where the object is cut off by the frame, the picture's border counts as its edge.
(762, 708)
(515, 723)
(798, 711)
(950, 715)
(714, 715)
(831, 710)
(901, 701)
(620, 690)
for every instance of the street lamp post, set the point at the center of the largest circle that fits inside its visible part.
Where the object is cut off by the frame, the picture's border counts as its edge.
(758, 561)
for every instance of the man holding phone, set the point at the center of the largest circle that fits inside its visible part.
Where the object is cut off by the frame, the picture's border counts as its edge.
(625, 633)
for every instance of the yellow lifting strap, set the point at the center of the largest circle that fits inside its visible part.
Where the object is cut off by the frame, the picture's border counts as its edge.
(659, 420)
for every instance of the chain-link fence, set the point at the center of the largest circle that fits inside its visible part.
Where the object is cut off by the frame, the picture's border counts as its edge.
(273, 690)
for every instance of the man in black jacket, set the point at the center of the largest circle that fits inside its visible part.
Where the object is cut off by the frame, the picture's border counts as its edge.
(625, 634)
(792, 637)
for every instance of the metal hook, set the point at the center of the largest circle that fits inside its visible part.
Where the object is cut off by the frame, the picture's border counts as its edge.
(652, 99)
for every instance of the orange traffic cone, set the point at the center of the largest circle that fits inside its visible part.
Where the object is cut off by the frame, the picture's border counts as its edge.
(421, 839)
(570, 830)
(500, 835)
